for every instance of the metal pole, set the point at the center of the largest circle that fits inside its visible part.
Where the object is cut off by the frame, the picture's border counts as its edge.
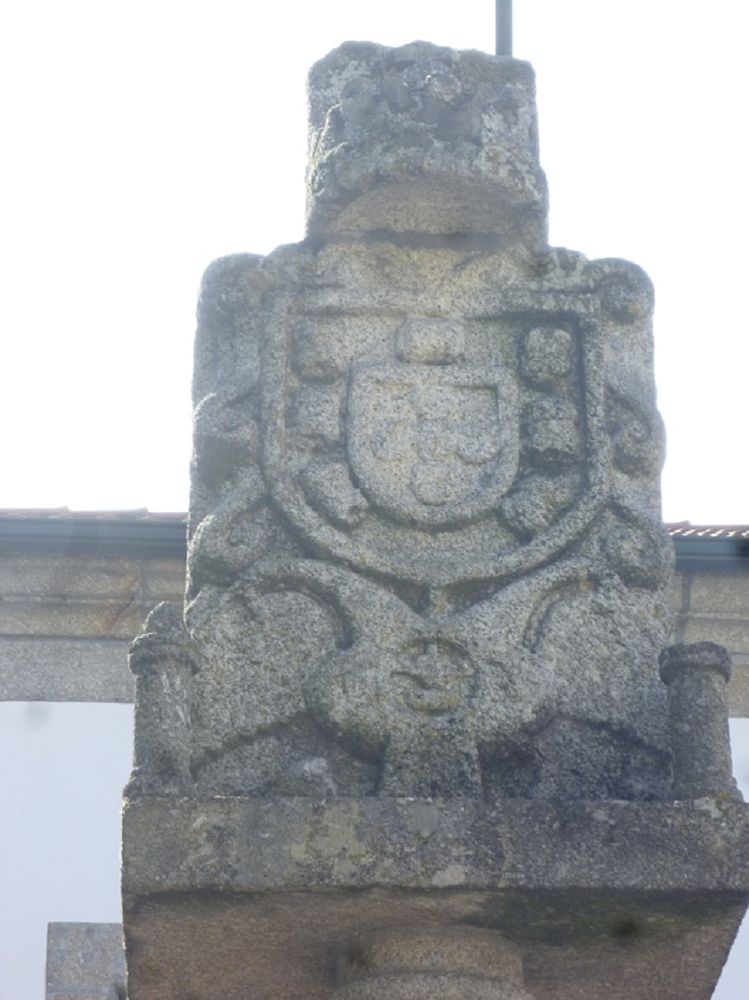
(503, 26)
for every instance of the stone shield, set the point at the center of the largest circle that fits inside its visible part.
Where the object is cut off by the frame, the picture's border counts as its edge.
(395, 446)
(433, 446)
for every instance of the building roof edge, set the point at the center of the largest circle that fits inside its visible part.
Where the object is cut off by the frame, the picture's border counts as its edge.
(704, 547)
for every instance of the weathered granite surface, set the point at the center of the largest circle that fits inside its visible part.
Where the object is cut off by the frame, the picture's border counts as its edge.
(63, 669)
(68, 613)
(414, 692)
(422, 139)
(85, 962)
(250, 844)
(603, 900)
(426, 554)
(225, 947)
(697, 676)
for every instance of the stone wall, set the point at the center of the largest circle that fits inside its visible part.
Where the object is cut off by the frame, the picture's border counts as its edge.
(71, 602)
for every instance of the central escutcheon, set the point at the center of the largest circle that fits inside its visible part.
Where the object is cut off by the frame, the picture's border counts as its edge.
(433, 446)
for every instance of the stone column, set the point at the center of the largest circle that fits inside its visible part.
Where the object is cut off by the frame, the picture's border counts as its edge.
(696, 676)
(162, 661)
(427, 588)
(433, 963)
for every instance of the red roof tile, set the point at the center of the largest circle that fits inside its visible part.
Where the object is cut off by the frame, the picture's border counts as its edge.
(683, 529)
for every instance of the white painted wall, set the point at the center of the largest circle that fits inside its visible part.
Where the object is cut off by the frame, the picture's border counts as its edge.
(733, 983)
(64, 767)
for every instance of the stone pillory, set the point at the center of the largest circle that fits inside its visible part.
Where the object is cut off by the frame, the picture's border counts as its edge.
(407, 737)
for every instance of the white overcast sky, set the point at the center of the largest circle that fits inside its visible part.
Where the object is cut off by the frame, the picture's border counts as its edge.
(143, 139)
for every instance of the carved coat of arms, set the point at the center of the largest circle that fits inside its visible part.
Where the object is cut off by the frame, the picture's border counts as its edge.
(442, 493)
(435, 450)
(433, 446)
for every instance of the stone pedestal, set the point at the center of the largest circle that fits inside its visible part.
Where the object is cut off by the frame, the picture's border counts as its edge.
(407, 734)
(270, 899)
(401, 963)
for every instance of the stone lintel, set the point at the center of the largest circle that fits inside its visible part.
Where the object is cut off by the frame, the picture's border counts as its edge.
(66, 619)
(60, 669)
(83, 595)
(85, 962)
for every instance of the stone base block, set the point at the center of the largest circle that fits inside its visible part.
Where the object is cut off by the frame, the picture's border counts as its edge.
(269, 900)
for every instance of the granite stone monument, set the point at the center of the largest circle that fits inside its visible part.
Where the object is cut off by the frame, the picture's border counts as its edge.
(408, 736)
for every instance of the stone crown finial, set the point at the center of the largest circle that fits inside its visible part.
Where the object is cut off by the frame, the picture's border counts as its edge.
(423, 139)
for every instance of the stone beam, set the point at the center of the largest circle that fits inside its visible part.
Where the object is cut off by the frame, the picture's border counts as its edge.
(85, 962)
(66, 619)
